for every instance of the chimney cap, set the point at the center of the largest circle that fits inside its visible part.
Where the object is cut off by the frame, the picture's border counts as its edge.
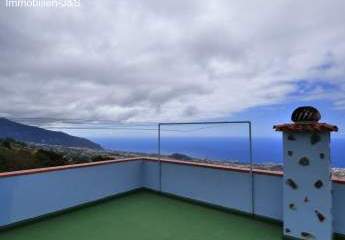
(306, 119)
(306, 127)
(305, 114)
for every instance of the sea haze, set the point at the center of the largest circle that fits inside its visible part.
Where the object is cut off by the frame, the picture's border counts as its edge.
(265, 150)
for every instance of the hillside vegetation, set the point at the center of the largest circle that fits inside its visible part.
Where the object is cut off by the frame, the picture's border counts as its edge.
(16, 155)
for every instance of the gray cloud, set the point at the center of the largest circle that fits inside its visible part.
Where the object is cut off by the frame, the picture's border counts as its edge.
(176, 60)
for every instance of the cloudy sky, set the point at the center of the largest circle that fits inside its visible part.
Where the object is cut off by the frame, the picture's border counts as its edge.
(152, 60)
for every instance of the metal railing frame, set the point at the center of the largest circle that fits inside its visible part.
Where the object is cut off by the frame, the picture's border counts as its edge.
(220, 122)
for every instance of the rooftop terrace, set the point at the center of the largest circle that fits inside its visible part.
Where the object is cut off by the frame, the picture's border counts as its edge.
(146, 215)
(46, 203)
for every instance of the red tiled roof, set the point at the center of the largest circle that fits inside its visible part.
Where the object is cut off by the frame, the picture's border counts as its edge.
(306, 127)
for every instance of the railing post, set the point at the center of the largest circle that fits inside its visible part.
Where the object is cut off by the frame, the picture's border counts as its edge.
(307, 187)
(159, 157)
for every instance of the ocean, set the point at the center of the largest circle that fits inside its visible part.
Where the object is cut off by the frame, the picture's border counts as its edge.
(265, 150)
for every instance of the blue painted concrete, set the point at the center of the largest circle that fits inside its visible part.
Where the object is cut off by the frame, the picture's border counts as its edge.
(28, 196)
(339, 207)
(268, 195)
(219, 187)
(151, 175)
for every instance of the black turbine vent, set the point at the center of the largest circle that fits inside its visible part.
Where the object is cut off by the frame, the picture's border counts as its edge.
(306, 114)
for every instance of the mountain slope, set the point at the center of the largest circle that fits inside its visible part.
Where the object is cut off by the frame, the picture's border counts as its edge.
(26, 133)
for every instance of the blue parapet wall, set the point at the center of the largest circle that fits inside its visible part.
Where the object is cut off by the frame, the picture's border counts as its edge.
(339, 207)
(268, 196)
(208, 185)
(29, 196)
(151, 175)
(32, 195)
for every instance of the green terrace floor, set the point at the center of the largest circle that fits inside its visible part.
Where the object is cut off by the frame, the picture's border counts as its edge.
(146, 216)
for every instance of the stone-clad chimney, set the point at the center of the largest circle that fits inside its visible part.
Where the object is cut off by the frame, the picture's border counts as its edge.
(307, 190)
